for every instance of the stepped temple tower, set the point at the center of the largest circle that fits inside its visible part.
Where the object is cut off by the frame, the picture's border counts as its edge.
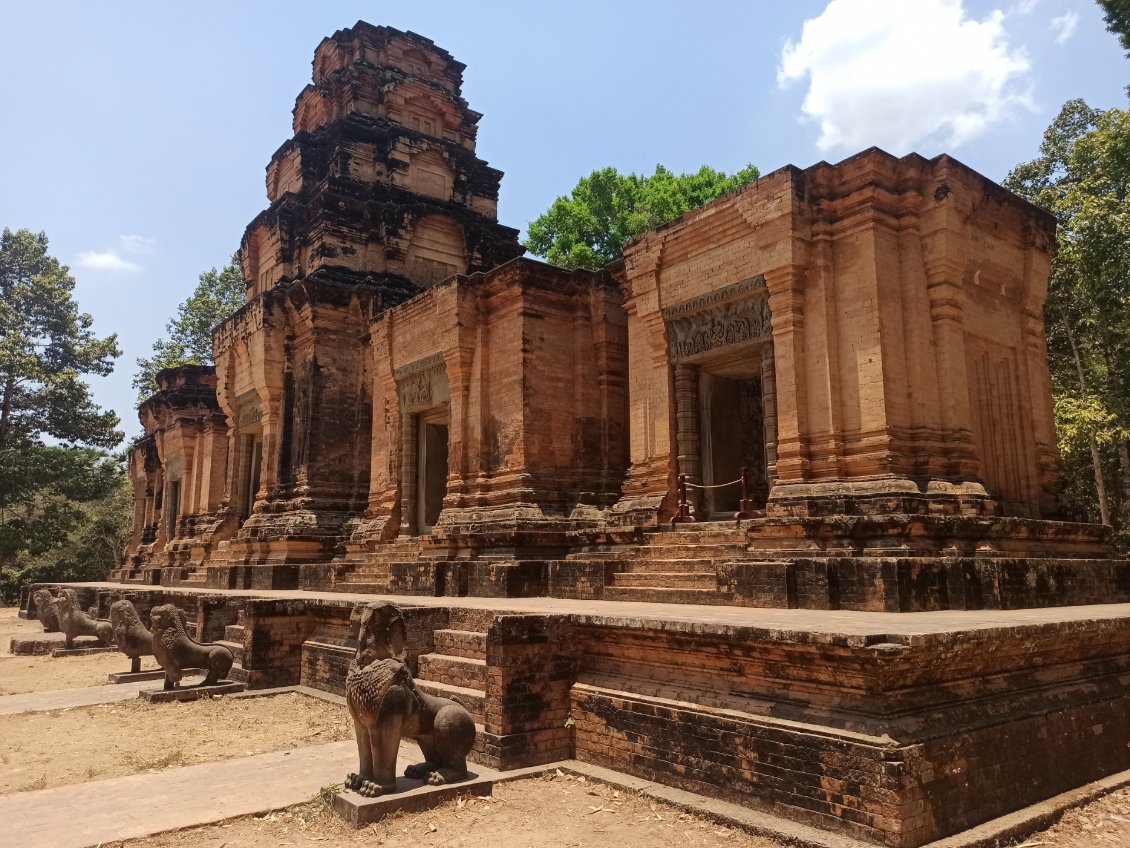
(823, 397)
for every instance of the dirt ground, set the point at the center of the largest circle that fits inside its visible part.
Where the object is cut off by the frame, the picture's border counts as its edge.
(561, 812)
(1105, 821)
(60, 747)
(557, 812)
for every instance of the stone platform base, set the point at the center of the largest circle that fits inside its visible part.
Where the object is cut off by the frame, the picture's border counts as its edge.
(139, 676)
(411, 796)
(82, 651)
(190, 693)
(44, 644)
(898, 730)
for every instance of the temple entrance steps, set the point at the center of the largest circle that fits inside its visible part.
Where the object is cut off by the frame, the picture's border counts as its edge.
(457, 667)
(189, 576)
(369, 570)
(195, 576)
(234, 641)
(371, 578)
(679, 565)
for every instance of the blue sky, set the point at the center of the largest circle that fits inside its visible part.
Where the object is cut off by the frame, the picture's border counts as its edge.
(136, 134)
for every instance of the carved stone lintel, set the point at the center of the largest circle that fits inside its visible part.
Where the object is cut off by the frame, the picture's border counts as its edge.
(418, 382)
(249, 411)
(752, 288)
(427, 363)
(739, 314)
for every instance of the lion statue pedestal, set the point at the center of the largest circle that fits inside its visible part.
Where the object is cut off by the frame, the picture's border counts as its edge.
(386, 706)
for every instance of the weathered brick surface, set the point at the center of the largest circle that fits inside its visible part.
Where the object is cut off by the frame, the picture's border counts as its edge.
(899, 743)
(580, 578)
(458, 671)
(531, 663)
(273, 650)
(461, 643)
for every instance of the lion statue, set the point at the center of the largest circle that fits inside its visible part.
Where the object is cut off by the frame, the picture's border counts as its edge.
(386, 706)
(175, 650)
(74, 622)
(44, 611)
(130, 635)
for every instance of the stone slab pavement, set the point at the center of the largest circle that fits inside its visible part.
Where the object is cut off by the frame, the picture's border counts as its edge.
(61, 699)
(86, 814)
(789, 624)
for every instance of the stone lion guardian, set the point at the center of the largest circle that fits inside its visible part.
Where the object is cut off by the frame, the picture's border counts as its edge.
(74, 622)
(176, 650)
(386, 706)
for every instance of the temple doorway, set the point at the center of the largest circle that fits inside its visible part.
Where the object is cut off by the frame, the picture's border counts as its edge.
(725, 417)
(172, 507)
(251, 456)
(431, 484)
(732, 439)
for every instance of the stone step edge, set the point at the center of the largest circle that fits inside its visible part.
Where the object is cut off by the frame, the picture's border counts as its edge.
(465, 691)
(455, 659)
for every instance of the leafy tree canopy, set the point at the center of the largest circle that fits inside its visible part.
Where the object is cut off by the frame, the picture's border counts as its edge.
(46, 345)
(218, 294)
(1082, 176)
(588, 228)
(1116, 13)
(53, 437)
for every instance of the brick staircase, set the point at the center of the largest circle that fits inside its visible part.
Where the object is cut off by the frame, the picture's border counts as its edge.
(234, 640)
(369, 573)
(457, 668)
(672, 566)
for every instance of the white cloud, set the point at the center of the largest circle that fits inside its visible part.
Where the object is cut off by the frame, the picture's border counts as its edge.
(1064, 25)
(105, 260)
(111, 259)
(138, 244)
(1024, 7)
(898, 74)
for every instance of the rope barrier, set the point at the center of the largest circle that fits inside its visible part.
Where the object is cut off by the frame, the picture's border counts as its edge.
(716, 486)
(746, 507)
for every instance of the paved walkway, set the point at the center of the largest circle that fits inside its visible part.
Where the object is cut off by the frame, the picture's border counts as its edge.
(87, 814)
(61, 699)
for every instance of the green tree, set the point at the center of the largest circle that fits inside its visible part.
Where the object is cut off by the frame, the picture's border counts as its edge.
(53, 437)
(218, 293)
(1082, 176)
(588, 228)
(1116, 13)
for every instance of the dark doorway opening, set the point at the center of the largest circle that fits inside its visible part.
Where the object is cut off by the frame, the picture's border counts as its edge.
(432, 466)
(734, 439)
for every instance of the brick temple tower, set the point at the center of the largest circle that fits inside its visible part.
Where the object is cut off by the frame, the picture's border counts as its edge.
(378, 196)
(380, 184)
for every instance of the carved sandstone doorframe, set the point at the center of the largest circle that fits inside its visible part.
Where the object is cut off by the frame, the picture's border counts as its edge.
(247, 439)
(725, 335)
(424, 398)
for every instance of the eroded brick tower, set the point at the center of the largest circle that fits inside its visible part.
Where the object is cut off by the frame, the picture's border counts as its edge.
(378, 196)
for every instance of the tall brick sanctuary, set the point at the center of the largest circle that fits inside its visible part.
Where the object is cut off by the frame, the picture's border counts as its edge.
(835, 377)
